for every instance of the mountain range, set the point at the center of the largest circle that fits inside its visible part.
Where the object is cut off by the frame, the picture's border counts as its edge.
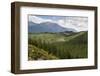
(47, 27)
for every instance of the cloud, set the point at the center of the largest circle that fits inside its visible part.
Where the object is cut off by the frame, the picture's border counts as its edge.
(77, 23)
(38, 20)
(61, 22)
(35, 19)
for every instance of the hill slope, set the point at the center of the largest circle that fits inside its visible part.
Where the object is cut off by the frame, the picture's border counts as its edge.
(38, 54)
(46, 27)
(60, 45)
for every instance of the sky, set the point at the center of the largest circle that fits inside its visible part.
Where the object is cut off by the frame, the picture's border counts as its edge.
(76, 22)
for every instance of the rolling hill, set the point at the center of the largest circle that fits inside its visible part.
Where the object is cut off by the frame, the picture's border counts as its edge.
(60, 45)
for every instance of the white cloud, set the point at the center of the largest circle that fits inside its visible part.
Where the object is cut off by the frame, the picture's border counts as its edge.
(38, 19)
(61, 22)
(77, 23)
(35, 19)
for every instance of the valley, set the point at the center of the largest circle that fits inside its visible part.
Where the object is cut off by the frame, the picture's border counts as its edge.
(59, 45)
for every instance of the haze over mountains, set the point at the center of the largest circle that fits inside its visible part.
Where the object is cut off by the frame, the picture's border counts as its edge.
(57, 37)
(47, 27)
(69, 22)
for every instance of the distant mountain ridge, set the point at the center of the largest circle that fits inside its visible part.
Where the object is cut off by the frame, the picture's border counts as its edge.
(47, 27)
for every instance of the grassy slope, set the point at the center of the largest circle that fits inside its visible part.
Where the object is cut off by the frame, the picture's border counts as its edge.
(76, 46)
(53, 37)
(48, 37)
(39, 54)
(64, 46)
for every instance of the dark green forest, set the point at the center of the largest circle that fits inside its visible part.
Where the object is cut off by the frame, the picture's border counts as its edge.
(50, 46)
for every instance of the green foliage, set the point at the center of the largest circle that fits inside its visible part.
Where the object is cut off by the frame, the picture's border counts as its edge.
(38, 54)
(47, 46)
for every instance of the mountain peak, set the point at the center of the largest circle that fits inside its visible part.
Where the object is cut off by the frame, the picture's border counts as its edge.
(47, 27)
